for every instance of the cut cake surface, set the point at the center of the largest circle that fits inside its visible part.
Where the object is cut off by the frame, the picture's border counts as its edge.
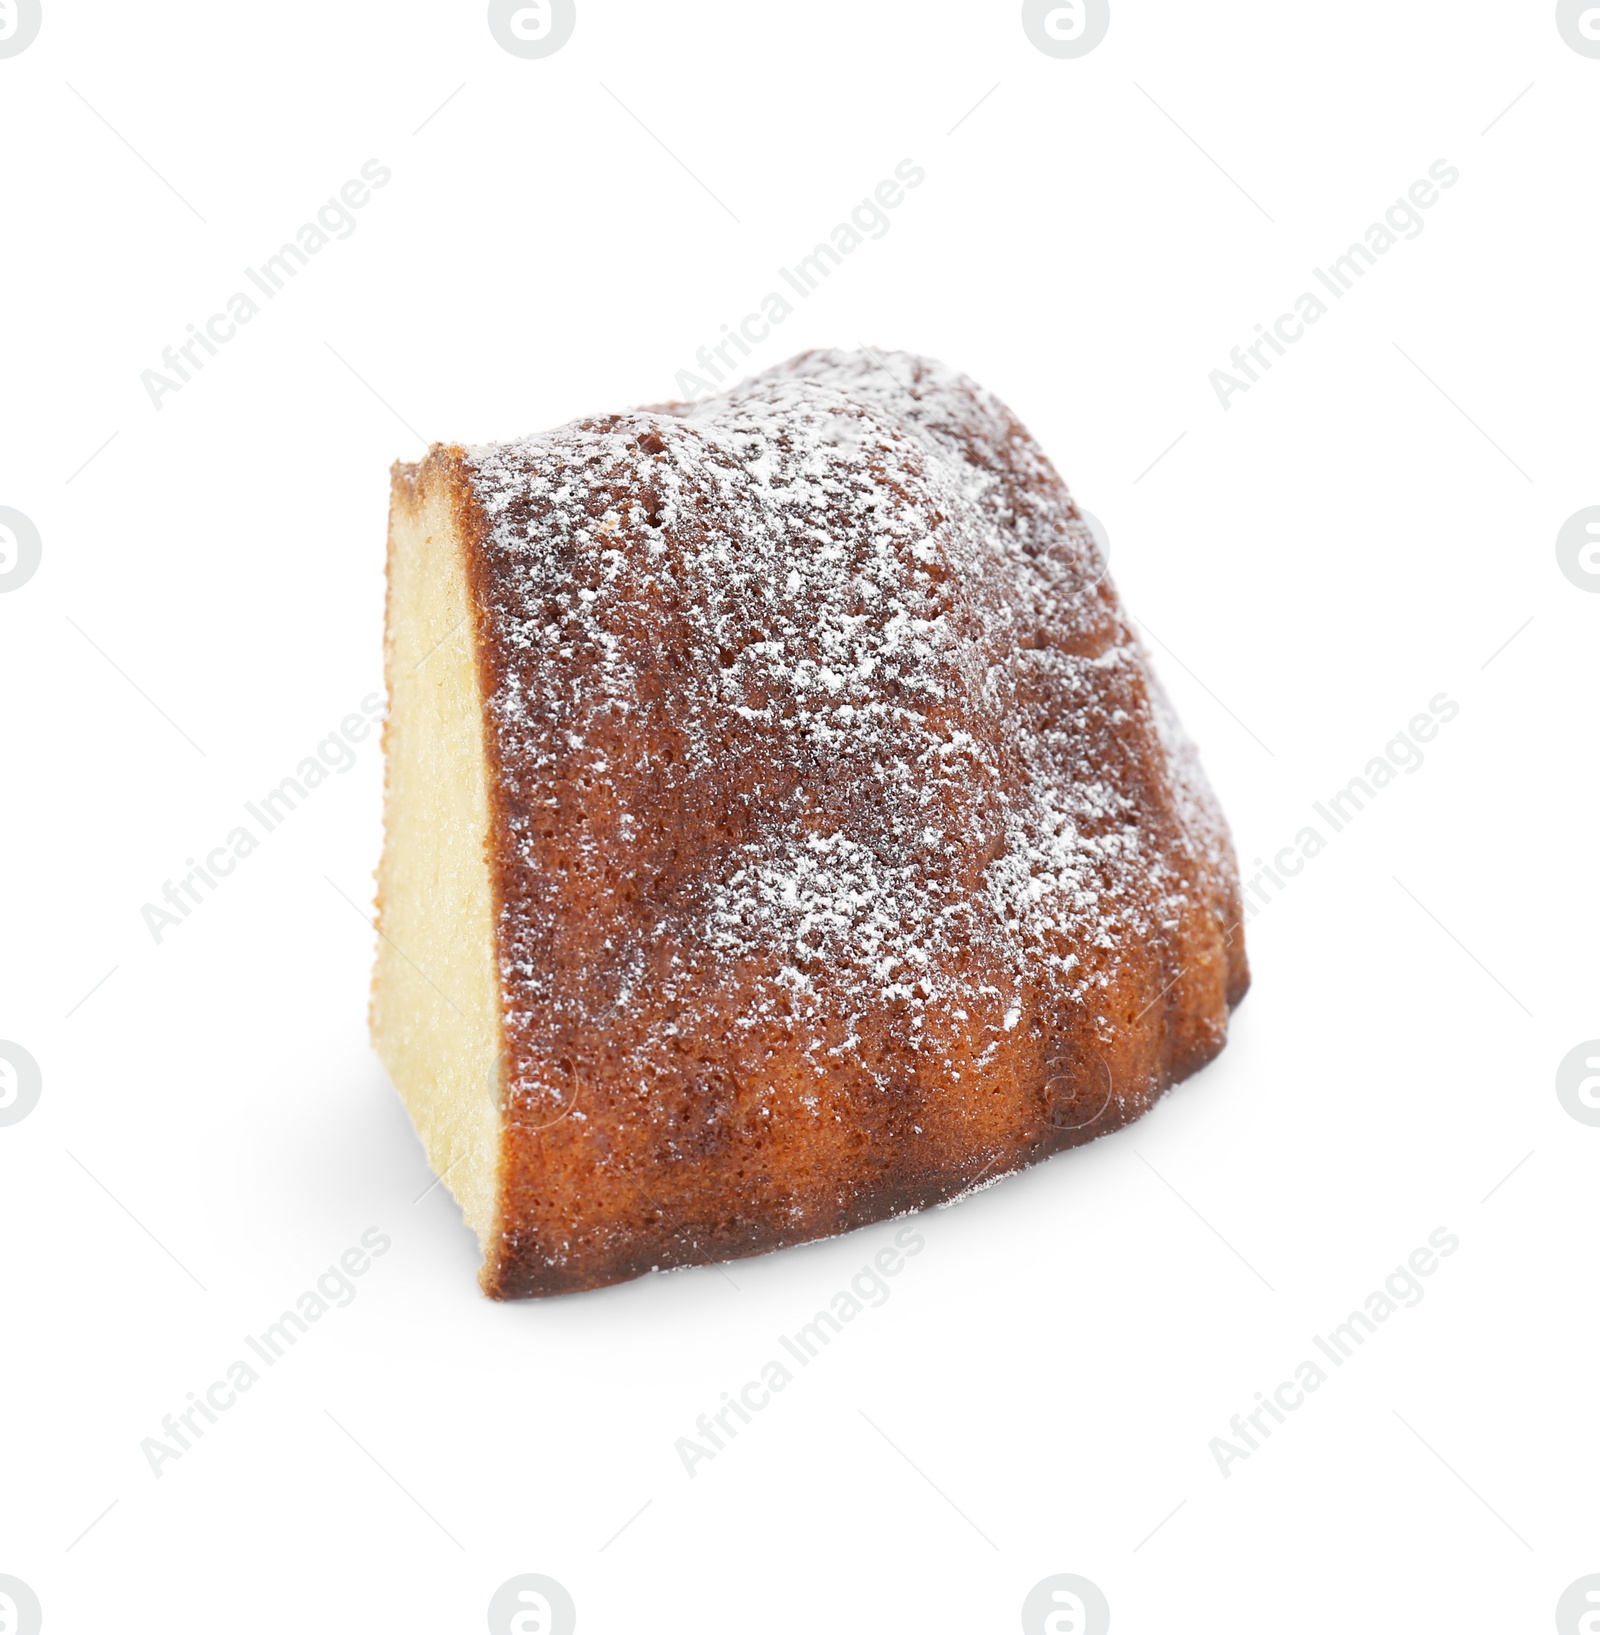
(784, 828)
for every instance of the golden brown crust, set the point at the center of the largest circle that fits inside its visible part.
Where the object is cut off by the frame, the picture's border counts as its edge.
(692, 1072)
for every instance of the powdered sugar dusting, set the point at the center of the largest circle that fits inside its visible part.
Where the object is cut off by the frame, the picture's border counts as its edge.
(862, 630)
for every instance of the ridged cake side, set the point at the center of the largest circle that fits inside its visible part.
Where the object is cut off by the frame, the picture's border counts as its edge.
(845, 853)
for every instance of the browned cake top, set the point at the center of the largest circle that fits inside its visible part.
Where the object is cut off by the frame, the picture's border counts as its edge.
(814, 696)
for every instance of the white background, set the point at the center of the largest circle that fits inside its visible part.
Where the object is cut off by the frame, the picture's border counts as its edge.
(1313, 565)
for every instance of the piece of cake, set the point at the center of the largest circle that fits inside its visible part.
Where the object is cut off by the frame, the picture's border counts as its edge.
(784, 829)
